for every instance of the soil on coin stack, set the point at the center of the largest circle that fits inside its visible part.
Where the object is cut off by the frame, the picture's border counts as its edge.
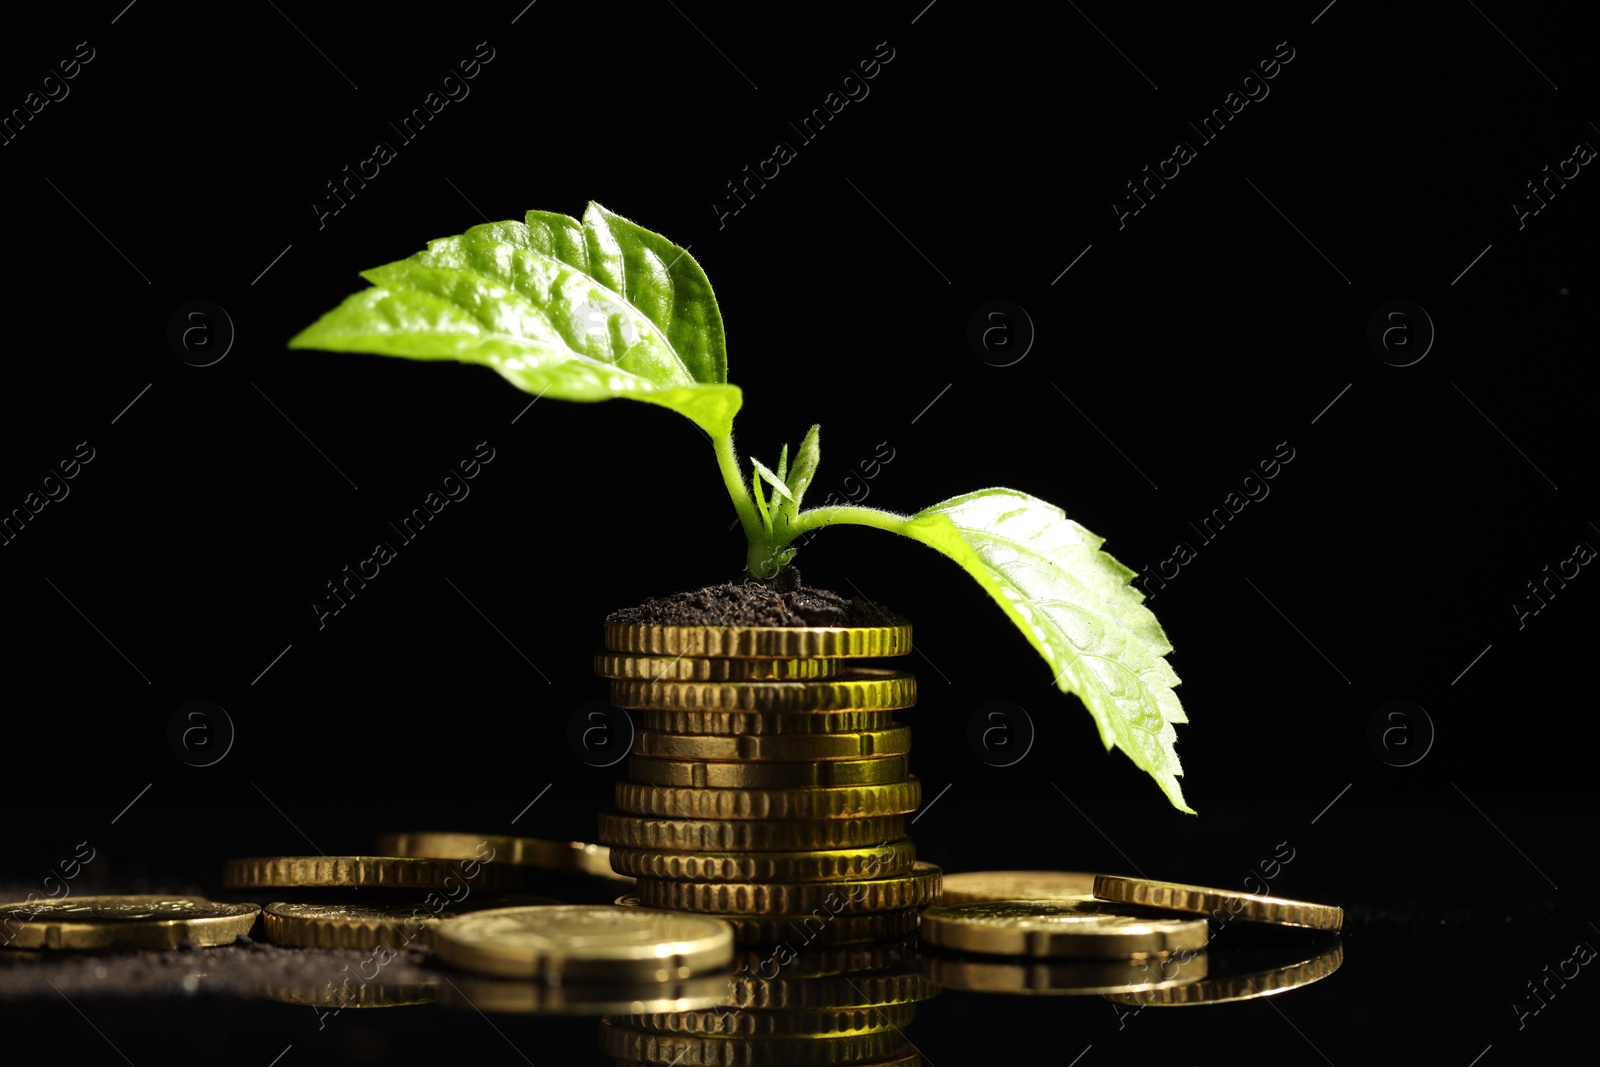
(753, 603)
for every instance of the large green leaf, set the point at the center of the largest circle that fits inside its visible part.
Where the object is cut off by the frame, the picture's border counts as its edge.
(649, 271)
(525, 301)
(1075, 606)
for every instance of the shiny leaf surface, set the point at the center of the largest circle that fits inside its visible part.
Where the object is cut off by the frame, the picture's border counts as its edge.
(1075, 606)
(524, 300)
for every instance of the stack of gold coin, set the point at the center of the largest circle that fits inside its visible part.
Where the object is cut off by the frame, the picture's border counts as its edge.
(769, 784)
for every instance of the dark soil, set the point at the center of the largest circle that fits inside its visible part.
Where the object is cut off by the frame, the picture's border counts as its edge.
(753, 603)
(244, 968)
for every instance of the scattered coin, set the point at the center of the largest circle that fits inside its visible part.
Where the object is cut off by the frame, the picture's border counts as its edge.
(585, 943)
(124, 922)
(576, 856)
(1221, 903)
(1057, 928)
(1016, 885)
(366, 926)
(285, 872)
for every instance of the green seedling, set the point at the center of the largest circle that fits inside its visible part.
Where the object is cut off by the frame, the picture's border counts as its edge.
(602, 308)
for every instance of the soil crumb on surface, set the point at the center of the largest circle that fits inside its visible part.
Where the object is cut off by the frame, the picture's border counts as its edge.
(755, 603)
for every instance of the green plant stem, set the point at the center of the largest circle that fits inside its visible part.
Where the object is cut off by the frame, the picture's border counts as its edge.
(728, 461)
(844, 514)
(766, 547)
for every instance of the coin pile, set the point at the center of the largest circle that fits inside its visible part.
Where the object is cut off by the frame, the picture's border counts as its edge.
(586, 943)
(415, 881)
(769, 784)
(1136, 940)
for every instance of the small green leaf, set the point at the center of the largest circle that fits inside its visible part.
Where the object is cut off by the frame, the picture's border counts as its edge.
(1075, 606)
(774, 480)
(783, 464)
(804, 469)
(491, 296)
(761, 499)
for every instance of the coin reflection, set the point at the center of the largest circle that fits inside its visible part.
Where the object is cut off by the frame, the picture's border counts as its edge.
(1065, 977)
(1245, 979)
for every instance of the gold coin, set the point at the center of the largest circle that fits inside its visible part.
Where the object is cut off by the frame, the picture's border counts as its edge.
(841, 802)
(863, 744)
(687, 721)
(703, 1050)
(794, 1022)
(286, 872)
(914, 890)
(855, 689)
(762, 642)
(780, 961)
(692, 669)
(815, 931)
(507, 996)
(322, 990)
(1064, 977)
(1017, 885)
(585, 942)
(365, 926)
(821, 929)
(124, 922)
(1057, 928)
(831, 865)
(728, 835)
(879, 771)
(850, 991)
(1233, 987)
(1218, 903)
(576, 856)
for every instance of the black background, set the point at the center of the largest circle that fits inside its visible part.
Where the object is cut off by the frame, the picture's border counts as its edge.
(1181, 348)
